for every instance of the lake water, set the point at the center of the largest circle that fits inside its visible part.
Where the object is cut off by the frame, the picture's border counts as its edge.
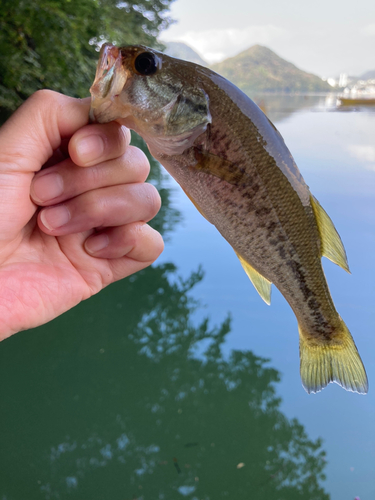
(179, 382)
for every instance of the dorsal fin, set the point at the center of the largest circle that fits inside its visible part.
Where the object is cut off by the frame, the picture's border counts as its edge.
(262, 285)
(331, 244)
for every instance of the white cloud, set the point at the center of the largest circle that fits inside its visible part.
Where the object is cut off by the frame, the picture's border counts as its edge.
(365, 154)
(217, 44)
(368, 30)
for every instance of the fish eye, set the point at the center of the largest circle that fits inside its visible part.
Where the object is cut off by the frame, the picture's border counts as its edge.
(146, 64)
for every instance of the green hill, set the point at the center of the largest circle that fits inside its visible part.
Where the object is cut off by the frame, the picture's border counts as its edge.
(258, 69)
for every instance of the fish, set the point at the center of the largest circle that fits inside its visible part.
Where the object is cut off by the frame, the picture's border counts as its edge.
(233, 164)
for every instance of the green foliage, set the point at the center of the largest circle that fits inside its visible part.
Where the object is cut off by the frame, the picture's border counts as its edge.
(53, 43)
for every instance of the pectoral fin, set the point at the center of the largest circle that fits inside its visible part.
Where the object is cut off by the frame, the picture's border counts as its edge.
(332, 246)
(219, 167)
(262, 285)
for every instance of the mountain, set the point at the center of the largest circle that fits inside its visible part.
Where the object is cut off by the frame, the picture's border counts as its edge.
(369, 75)
(258, 69)
(183, 51)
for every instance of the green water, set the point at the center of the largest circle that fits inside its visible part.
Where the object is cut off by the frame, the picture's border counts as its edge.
(179, 382)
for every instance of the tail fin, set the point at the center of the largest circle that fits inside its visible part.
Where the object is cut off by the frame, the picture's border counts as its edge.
(336, 361)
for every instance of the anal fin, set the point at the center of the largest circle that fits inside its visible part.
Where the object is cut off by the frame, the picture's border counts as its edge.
(332, 246)
(261, 284)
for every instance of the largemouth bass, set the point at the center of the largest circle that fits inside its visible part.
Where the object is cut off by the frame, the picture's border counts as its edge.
(235, 167)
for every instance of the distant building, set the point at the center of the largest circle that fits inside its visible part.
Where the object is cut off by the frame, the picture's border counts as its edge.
(332, 82)
(343, 80)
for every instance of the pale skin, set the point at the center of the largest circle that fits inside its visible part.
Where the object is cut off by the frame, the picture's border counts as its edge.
(75, 226)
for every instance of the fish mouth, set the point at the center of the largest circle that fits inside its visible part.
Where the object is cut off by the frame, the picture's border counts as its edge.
(110, 79)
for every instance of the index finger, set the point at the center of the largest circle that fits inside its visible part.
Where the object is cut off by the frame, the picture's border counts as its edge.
(96, 143)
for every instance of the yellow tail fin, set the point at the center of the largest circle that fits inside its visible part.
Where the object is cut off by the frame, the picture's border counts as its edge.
(336, 361)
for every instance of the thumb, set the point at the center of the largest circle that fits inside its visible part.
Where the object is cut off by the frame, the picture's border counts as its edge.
(35, 130)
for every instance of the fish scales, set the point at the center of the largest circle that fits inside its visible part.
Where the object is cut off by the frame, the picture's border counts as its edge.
(234, 165)
(260, 212)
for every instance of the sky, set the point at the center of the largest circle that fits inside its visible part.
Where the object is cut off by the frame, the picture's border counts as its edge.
(325, 37)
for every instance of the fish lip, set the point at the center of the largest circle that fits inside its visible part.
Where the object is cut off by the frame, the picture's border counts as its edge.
(109, 81)
(109, 60)
(92, 118)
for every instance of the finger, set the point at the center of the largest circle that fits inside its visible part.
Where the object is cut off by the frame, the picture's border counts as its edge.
(137, 240)
(110, 206)
(65, 180)
(36, 129)
(146, 250)
(60, 154)
(97, 143)
(27, 140)
(100, 272)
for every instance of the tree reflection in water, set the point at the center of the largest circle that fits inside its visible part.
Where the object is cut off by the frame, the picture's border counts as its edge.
(111, 401)
(127, 411)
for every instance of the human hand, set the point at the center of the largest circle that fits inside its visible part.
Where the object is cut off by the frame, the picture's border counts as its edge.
(91, 229)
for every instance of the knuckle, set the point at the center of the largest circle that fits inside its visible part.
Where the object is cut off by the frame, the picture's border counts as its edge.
(139, 161)
(92, 176)
(152, 199)
(149, 243)
(42, 100)
(115, 137)
(158, 244)
(47, 99)
(43, 95)
(155, 243)
(93, 206)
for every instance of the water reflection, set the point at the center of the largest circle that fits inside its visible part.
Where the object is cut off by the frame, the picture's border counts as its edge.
(126, 397)
(364, 153)
(116, 405)
(279, 109)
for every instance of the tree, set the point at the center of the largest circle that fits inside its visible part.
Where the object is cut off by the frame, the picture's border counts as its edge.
(53, 43)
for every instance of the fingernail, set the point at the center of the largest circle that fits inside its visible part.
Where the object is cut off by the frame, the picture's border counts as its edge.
(96, 243)
(47, 187)
(55, 217)
(90, 148)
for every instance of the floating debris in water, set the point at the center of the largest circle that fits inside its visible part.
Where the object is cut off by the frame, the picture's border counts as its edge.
(177, 466)
(190, 445)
